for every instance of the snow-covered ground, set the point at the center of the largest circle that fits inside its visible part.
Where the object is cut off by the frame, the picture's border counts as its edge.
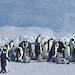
(43, 68)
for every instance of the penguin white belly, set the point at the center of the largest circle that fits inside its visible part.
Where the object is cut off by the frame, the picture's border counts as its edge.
(21, 51)
(6, 67)
(55, 51)
(50, 45)
(44, 53)
(12, 44)
(26, 58)
(39, 40)
(67, 52)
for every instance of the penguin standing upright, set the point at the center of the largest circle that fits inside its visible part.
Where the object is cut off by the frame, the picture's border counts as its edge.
(26, 53)
(11, 50)
(71, 44)
(39, 52)
(31, 51)
(19, 54)
(22, 44)
(66, 51)
(9, 47)
(45, 50)
(61, 48)
(56, 48)
(37, 45)
(52, 52)
(50, 43)
(11, 44)
(4, 61)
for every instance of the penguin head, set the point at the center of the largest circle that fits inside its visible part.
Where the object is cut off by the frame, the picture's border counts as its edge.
(5, 46)
(56, 43)
(48, 40)
(11, 41)
(51, 39)
(4, 51)
(65, 45)
(72, 39)
(39, 35)
(45, 43)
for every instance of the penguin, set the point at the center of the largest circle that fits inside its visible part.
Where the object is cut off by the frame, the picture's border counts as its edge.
(36, 44)
(19, 54)
(66, 51)
(59, 59)
(4, 61)
(38, 49)
(50, 43)
(39, 52)
(56, 47)
(61, 48)
(10, 47)
(27, 52)
(73, 53)
(1, 48)
(71, 44)
(22, 44)
(39, 56)
(26, 58)
(27, 47)
(31, 51)
(45, 50)
(11, 44)
(7, 46)
(38, 39)
(52, 52)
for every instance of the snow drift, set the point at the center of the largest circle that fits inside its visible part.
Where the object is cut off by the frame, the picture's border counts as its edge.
(18, 34)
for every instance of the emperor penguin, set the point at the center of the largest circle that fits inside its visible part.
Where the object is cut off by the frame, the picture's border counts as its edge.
(4, 61)
(11, 44)
(52, 52)
(56, 47)
(73, 52)
(1, 48)
(71, 44)
(26, 47)
(19, 54)
(22, 44)
(66, 51)
(31, 51)
(9, 47)
(61, 47)
(39, 52)
(36, 43)
(26, 56)
(50, 43)
(38, 39)
(45, 50)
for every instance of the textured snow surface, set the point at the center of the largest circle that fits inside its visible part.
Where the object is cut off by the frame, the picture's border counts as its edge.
(43, 68)
(19, 34)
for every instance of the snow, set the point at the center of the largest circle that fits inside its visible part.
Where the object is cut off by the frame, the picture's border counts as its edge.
(43, 68)
(18, 34)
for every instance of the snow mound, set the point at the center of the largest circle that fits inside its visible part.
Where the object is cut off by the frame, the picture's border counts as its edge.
(18, 34)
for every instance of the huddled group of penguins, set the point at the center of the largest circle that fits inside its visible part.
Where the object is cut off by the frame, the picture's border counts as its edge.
(50, 51)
